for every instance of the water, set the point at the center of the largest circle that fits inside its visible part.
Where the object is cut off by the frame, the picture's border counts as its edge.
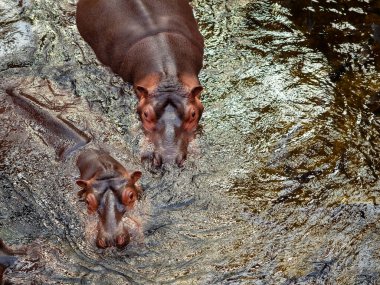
(281, 184)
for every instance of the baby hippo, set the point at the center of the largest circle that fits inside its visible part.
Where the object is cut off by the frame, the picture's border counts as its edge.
(109, 190)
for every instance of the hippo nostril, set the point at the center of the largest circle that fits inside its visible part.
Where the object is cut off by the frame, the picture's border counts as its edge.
(101, 243)
(157, 160)
(122, 240)
(180, 160)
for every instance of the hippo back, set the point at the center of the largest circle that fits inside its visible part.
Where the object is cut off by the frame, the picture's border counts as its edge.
(94, 163)
(112, 27)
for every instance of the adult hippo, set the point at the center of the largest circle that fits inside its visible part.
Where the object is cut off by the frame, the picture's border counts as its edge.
(109, 190)
(156, 46)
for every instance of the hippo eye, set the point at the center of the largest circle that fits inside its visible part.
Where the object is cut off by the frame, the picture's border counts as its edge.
(92, 203)
(128, 197)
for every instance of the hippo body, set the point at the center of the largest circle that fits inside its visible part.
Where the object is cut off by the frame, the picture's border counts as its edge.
(157, 47)
(138, 38)
(108, 190)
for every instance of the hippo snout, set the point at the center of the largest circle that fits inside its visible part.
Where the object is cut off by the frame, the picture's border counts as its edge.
(158, 160)
(119, 241)
(111, 229)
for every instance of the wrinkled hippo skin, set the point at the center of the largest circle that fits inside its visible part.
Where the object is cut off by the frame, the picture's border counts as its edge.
(108, 190)
(157, 47)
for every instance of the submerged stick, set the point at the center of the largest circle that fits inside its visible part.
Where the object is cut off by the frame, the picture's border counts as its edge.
(57, 132)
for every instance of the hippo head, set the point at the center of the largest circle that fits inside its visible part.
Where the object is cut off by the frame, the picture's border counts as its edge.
(110, 197)
(170, 112)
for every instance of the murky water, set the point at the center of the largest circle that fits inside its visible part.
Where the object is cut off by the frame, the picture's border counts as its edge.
(281, 185)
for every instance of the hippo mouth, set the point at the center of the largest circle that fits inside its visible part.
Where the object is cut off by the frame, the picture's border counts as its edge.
(120, 241)
(158, 160)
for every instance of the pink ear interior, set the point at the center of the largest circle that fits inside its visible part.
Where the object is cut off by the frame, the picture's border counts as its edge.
(82, 183)
(196, 91)
(135, 176)
(141, 91)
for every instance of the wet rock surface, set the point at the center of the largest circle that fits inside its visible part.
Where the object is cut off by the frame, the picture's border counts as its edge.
(281, 184)
(17, 43)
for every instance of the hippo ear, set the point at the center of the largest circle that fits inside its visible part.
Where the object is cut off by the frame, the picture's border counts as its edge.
(81, 193)
(83, 183)
(196, 91)
(141, 92)
(135, 176)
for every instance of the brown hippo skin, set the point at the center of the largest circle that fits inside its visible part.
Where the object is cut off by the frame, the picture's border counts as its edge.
(109, 190)
(156, 46)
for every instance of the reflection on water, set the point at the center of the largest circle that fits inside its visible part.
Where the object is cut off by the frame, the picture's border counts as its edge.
(281, 185)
